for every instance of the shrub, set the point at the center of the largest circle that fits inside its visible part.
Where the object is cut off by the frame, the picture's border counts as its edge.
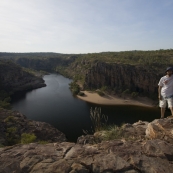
(103, 88)
(11, 136)
(100, 93)
(127, 91)
(98, 120)
(74, 87)
(134, 94)
(81, 94)
(5, 105)
(27, 138)
(9, 118)
(11, 130)
(1, 145)
(43, 142)
(113, 132)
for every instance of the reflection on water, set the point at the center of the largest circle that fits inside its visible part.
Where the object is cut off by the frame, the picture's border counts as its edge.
(56, 105)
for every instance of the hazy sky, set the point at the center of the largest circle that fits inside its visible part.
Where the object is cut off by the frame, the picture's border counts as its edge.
(85, 26)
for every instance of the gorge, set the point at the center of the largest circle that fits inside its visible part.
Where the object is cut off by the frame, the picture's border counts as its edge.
(56, 105)
(142, 147)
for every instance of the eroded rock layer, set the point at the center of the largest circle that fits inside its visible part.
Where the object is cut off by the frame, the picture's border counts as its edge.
(111, 156)
(151, 153)
(121, 76)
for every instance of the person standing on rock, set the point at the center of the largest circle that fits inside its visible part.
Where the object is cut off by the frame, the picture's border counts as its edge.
(165, 91)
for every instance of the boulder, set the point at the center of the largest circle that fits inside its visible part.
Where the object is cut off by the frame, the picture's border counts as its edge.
(160, 129)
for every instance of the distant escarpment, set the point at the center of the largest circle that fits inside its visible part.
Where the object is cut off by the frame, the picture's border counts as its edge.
(122, 77)
(137, 71)
(13, 78)
(50, 64)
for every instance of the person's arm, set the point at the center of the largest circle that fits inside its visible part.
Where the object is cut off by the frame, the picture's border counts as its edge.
(159, 92)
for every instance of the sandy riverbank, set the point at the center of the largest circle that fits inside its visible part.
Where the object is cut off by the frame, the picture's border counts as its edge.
(93, 97)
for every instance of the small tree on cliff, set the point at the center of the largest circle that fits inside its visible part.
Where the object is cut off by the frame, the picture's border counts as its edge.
(74, 87)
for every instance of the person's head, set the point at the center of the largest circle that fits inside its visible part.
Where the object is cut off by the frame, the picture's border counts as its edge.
(169, 71)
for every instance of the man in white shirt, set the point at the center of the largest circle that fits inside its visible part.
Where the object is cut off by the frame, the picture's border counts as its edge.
(165, 91)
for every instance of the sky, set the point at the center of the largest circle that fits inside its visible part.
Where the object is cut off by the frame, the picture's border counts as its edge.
(85, 26)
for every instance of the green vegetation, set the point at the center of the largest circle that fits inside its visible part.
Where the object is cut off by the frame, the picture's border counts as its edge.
(11, 130)
(4, 100)
(127, 91)
(152, 59)
(112, 132)
(43, 142)
(134, 94)
(103, 88)
(105, 131)
(1, 145)
(11, 136)
(74, 87)
(77, 64)
(5, 105)
(35, 72)
(9, 118)
(100, 93)
(27, 138)
(13, 133)
(62, 70)
(81, 94)
(98, 120)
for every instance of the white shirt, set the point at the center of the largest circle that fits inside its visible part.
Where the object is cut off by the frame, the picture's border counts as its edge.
(166, 83)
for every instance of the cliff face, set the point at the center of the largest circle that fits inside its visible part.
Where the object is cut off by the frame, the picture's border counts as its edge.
(13, 78)
(121, 76)
(97, 74)
(46, 64)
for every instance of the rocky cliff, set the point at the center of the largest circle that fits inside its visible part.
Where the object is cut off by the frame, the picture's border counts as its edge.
(153, 153)
(138, 71)
(13, 78)
(13, 124)
(122, 77)
(97, 73)
(45, 64)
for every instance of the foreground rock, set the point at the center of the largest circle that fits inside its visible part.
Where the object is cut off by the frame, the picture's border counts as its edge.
(138, 151)
(161, 129)
(111, 156)
(13, 124)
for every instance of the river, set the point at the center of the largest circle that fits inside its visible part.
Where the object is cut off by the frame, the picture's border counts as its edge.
(56, 105)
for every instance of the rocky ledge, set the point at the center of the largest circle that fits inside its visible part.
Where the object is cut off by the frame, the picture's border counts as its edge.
(147, 148)
(13, 124)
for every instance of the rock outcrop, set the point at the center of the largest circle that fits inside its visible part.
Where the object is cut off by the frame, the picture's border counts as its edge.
(161, 129)
(109, 156)
(13, 78)
(149, 155)
(122, 76)
(13, 124)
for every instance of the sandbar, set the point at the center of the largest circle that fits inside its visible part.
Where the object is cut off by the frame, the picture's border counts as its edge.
(93, 97)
